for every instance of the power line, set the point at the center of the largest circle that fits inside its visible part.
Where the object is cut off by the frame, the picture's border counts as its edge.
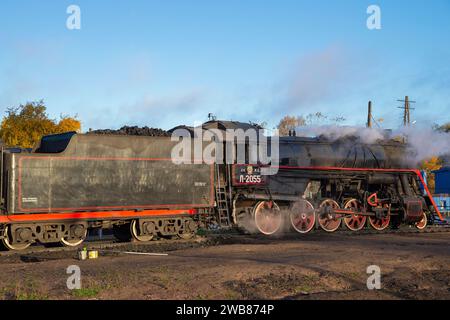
(376, 122)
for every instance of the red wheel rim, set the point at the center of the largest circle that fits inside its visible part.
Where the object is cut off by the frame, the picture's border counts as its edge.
(330, 224)
(355, 222)
(379, 224)
(267, 217)
(422, 223)
(303, 216)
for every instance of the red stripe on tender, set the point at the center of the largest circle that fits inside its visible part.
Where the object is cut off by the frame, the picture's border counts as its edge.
(91, 215)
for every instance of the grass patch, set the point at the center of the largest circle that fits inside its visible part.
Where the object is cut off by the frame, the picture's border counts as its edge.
(232, 295)
(22, 292)
(202, 232)
(202, 297)
(85, 292)
(303, 288)
(31, 296)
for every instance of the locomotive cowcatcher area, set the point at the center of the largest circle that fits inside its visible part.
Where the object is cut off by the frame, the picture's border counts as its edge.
(414, 265)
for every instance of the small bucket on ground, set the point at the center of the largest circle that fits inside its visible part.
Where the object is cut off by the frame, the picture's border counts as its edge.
(82, 255)
(93, 254)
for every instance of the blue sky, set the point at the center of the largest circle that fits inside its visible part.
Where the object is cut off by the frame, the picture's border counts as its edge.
(163, 63)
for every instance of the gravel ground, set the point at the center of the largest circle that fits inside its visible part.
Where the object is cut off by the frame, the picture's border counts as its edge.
(314, 266)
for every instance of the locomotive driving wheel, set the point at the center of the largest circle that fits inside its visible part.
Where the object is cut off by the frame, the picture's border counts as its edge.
(328, 220)
(134, 229)
(422, 224)
(379, 223)
(267, 216)
(302, 216)
(355, 222)
(7, 241)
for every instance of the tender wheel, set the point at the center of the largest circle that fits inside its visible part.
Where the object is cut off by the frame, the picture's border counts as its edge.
(6, 241)
(81, 233)
(302, 216)
(329, 221)
(190, 228)
(267, 216)
(355, 222)
(134, 229)
(422, 224)
(379, 224)
(72, 242)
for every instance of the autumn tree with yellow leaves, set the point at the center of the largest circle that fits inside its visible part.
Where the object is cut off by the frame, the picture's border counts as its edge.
(291, 123)
(23, 126)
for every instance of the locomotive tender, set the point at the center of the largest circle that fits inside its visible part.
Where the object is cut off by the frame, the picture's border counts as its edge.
(72, 182)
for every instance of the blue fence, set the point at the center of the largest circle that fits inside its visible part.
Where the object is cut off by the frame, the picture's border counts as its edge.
(443, 203)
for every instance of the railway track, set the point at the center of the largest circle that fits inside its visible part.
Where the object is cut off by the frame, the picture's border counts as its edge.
(109, 246)
(403, 230)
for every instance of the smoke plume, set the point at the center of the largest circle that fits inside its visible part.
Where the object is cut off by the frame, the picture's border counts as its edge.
(333, 133)
(423, 142)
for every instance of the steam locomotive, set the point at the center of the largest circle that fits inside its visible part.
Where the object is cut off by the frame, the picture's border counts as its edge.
(71, 183)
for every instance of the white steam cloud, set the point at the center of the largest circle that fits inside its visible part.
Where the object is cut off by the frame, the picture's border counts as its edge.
(426, 142)
(423, 142)
(333, 133)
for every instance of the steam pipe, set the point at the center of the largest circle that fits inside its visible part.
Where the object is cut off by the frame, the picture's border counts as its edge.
(405, 185)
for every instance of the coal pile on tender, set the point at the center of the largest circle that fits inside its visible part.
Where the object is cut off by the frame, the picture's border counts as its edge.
(133, 131)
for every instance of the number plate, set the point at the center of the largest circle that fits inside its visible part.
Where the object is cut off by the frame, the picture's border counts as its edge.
(248, 175)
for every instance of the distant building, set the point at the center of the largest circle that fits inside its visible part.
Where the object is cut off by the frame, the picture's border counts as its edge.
(442, 188)
(221, 125)
(442, 180)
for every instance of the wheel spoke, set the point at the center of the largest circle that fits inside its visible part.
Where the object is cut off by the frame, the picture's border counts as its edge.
(267, 217)
(302, 216)
(379, 224)
(330, 224)
(355, 222)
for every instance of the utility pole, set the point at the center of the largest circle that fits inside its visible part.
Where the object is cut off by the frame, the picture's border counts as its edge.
(406, 111)
(369, 115)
